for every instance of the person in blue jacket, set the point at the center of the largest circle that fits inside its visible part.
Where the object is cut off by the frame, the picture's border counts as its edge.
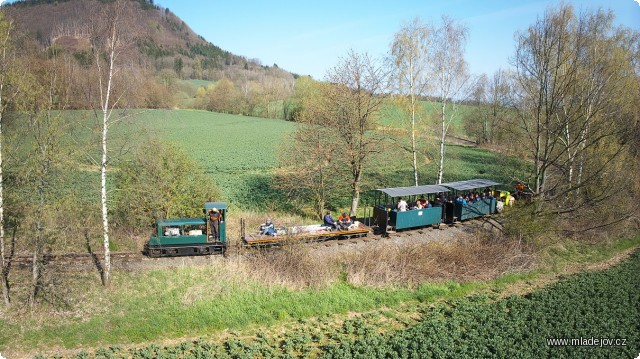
(329, 221)
(268, 229)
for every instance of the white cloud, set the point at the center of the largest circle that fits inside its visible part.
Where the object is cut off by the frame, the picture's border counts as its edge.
(638, 1)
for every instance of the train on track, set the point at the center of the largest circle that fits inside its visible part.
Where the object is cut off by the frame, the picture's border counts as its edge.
(446, 203)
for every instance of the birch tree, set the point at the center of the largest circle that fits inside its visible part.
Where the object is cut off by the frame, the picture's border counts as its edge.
(410, 50)
(6, 96)
(108, 41)
(450, 75)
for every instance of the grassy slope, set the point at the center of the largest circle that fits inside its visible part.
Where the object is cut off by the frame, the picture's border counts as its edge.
(207, 302)
(240, 152)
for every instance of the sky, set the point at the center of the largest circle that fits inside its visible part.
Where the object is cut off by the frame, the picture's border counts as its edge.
(309, 37)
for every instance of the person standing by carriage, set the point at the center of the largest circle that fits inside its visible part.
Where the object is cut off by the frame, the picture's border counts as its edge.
(215, 217)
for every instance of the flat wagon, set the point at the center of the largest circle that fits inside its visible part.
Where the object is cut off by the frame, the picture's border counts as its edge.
(310, 233)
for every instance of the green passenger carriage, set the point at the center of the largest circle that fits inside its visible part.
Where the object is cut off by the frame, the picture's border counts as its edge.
(386, 215)
(385, 212)
(466, 211)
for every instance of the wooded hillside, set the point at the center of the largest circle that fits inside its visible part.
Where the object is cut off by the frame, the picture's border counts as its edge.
(161, 46)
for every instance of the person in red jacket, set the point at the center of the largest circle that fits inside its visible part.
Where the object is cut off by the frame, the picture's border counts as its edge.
(345, 221)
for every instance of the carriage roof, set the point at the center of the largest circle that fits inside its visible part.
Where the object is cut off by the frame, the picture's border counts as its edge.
(470, 184)
(413, 190)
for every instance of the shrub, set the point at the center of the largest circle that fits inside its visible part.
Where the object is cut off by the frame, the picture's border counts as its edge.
(160, 181)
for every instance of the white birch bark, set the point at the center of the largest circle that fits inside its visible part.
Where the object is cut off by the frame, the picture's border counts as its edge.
(3, 265)
(105, 95)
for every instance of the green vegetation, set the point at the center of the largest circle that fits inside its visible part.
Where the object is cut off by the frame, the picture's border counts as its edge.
(160, 181)
(428, 117)
(440, 298)
(199, 83)
(602, 305)
(463, 320)
(238, 152)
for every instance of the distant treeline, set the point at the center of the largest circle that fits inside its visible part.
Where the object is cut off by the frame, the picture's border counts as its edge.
(146, 4)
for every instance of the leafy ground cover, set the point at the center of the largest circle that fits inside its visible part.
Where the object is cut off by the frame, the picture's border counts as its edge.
(240, 153)
(598, 310)
(428, 116)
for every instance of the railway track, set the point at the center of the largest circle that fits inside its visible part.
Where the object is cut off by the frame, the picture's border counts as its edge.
(132, 261)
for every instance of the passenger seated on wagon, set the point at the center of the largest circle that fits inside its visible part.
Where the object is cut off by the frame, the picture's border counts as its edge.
(268, 229)
(417, 205)
(344, 221)
(402, 205)
(329, 221)
(423, 202)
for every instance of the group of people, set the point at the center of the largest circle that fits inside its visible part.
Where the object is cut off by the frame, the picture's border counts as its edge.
(343, 222)
(268, 228)
(468, 197)
(473, 197)
(442, 197)
(420, 203)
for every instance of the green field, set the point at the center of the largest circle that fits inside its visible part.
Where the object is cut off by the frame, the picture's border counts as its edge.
(428, 116)
(239, 152)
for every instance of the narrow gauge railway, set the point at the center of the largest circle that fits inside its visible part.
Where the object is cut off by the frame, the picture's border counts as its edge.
(442, 203)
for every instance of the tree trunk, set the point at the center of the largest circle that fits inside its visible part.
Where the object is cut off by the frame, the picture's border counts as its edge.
(35, 274)
(356, 194)
(103, 166)
(413, 140)
(3, 264)
(103, 196)
(5, 285)
(442, 138)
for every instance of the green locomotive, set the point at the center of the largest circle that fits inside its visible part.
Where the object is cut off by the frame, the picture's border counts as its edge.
(190, 236)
